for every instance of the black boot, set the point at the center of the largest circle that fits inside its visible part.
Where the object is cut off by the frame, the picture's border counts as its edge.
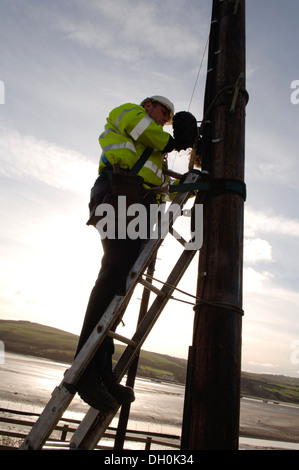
(93, 392)
(123, 395)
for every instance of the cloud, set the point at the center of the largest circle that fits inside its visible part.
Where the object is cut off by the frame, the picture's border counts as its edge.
(145, 22)
(124, 30)
(257, 222)
(255, 281)
(269, 156)
(30, 158)
(270, 325)
(257, 250)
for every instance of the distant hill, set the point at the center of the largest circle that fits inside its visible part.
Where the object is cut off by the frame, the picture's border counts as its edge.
(33, 339)
(270, 387)
(24, 337)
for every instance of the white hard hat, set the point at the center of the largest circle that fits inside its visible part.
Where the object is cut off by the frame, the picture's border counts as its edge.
(164, 101)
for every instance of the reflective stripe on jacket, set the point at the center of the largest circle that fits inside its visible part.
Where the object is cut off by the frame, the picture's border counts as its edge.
(129, 130)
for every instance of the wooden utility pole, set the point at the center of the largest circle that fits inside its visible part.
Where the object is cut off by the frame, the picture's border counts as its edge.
(212, 402)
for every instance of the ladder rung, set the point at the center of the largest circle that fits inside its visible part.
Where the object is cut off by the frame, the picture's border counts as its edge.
(178, 237)
(150, 287)
(121, 338)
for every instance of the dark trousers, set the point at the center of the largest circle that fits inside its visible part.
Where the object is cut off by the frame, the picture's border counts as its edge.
(119, 257)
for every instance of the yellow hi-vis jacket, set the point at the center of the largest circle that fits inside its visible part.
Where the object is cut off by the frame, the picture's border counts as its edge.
(129, 130)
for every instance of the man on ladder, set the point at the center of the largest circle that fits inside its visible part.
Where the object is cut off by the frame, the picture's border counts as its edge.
(131, 165)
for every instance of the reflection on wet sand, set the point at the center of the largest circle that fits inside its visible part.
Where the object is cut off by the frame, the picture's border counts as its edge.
(29, 381)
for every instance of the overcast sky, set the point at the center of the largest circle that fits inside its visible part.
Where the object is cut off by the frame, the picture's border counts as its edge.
(63, 66)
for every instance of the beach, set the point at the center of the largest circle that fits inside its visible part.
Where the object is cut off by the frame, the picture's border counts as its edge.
(27, 383)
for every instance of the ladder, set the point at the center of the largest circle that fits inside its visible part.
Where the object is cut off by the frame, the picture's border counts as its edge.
(95, 422)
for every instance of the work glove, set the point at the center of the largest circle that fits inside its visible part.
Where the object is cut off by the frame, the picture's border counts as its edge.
(185, 130)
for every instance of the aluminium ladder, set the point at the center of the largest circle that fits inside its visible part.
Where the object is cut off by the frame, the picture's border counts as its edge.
(95, 422)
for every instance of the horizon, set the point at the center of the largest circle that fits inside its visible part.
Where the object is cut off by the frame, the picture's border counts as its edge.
(142, 349)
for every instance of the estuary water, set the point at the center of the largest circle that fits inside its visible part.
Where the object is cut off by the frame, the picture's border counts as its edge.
(26, 384)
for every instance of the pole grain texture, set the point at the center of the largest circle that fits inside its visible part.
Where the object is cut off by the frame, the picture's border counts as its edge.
(212, 402)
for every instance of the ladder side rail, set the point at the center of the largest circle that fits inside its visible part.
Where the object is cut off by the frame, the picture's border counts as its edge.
(132, 370)
(53, 411)
(91, 429)
(43, 427)
(64, 393)
(95, 423)
(93, 415)
(154, 311)
(117, 304)
(153, 244)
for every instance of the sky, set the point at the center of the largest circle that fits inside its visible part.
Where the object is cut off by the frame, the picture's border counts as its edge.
(63, 66)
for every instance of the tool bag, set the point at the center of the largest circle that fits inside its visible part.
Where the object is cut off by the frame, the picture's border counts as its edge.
(121, 183)
(126, 184)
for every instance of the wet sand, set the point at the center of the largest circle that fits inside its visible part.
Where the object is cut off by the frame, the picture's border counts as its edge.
(263, 421)
(271, 421)
(27, 383)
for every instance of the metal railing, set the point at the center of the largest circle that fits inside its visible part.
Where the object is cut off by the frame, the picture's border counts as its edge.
(15, 426)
